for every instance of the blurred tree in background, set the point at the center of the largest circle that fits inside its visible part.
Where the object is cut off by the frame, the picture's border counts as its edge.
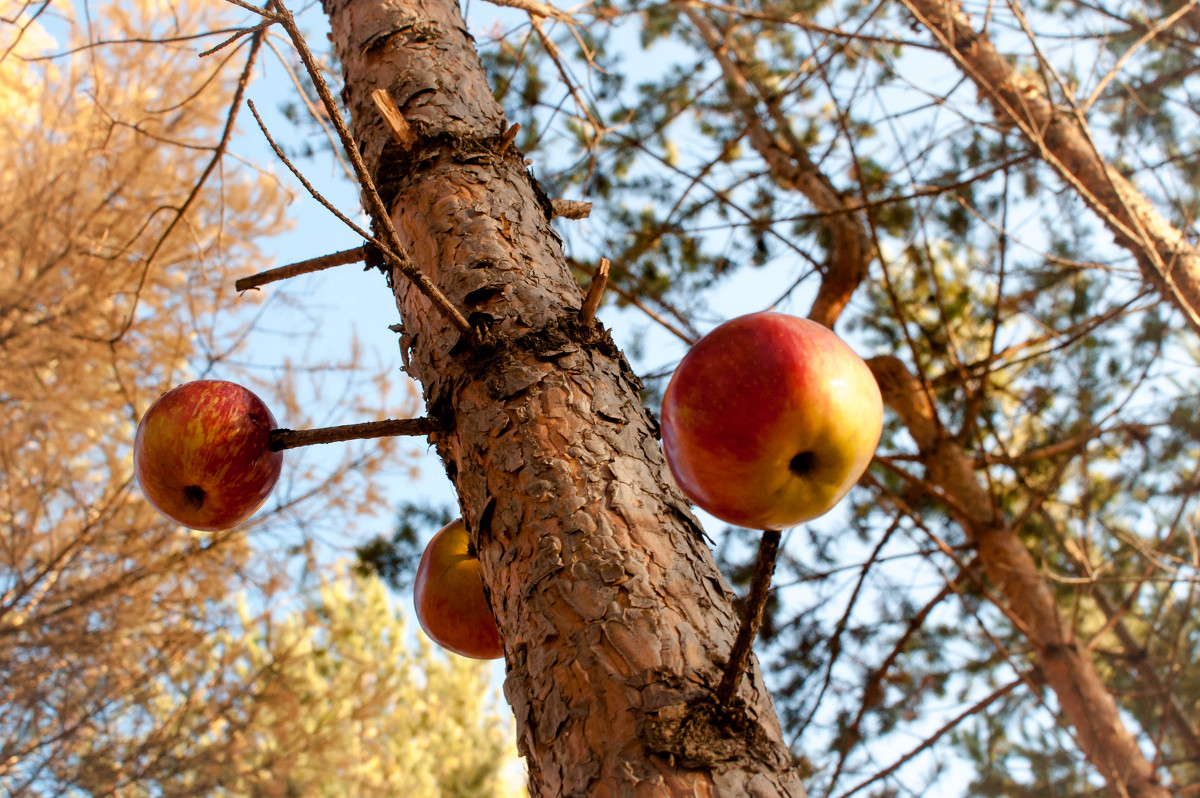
(1010, 183)
(138, 657)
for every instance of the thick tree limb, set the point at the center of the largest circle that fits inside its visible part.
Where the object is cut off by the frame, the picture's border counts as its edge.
(851, 250)
(1085, 701)
(1061, 136)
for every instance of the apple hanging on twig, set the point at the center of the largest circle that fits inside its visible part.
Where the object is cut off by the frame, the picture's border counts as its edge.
(769, 420)
(449, 597)
(202, 454)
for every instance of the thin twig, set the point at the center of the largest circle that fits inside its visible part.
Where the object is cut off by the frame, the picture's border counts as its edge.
(764, 567)
(393, 251)
(978, 706)
(537, 8)
(262, 12)
(303, 267)
(292, 438)
(595, 291)
(239, 34)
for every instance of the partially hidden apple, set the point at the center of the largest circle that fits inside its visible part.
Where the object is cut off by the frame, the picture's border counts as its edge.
(769, 420)
(202, 454)
(448, 592)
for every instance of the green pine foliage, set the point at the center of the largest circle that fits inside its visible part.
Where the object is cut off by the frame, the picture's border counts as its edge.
(1065, 377)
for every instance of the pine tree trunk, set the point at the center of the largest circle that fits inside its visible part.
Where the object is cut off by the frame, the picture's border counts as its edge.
(1167, 257)
(615, 620)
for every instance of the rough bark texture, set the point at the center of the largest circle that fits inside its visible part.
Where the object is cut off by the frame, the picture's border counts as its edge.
(1066, 665)
(1167, 259)
(614, 618)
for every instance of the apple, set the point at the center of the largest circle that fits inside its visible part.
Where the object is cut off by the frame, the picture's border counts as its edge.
(769, 420)
(202, 454)
(448, 592)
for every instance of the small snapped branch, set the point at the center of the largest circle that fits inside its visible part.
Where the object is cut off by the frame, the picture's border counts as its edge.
(395, 120)
(764, 568)
(571, 209)
(303, 267)
(587, 313)
(509, 135)
(294, 438)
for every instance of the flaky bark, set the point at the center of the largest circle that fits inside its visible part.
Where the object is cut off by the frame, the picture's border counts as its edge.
(1060, 135)
(614, 617)
(1062, 659)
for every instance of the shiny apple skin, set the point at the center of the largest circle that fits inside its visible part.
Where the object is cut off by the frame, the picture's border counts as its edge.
(757, 394)
(448, 593)
(202, 457)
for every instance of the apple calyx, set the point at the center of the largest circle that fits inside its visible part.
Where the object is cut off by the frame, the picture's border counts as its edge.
(802, 464)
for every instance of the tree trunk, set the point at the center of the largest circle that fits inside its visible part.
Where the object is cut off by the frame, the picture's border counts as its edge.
(615, 620)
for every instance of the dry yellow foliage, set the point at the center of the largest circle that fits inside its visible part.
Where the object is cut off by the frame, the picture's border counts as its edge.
(109, 295)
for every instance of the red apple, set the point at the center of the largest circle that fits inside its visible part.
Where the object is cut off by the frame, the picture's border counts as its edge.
(201, 454)
(769, 420)
(451, 605)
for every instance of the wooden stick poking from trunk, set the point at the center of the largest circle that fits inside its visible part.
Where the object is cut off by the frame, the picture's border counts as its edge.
(595, 290)
(395, 120)
(303, 267)
(508, 137)
(293, 438)
(764, 567)
(570, 209)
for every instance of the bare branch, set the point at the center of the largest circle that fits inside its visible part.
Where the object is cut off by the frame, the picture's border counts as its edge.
(398, 257)
(399, 261)
(293, 438)
(760, 584)
(342, 258)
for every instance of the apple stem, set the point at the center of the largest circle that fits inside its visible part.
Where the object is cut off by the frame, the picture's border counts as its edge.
(764, 568)
(595, 290)
(303, 267)
(292, 438)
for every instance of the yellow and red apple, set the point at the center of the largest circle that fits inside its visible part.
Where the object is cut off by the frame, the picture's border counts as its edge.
(448, 592)
(202, 454)
(769, 420)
